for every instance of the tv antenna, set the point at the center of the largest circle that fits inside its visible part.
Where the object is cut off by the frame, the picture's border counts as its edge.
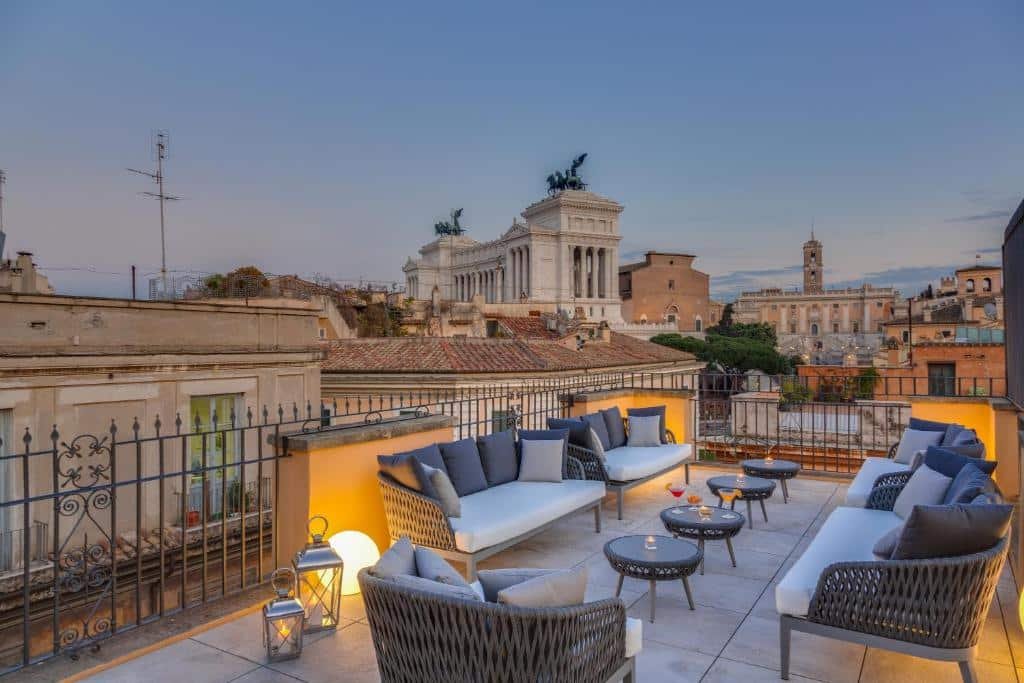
(3, 179)
(160, 141)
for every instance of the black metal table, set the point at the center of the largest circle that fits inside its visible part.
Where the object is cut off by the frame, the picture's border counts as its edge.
(751, 488)
(671, 560)
(780, 470)
(687, 523)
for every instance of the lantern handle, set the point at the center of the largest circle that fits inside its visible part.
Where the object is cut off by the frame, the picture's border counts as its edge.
(283, 581)
(317, 537)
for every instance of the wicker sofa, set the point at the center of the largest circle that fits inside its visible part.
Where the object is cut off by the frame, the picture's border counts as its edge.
(873, 468)
(932, 608)
(491, 520)
(423, 636)
(626, 467)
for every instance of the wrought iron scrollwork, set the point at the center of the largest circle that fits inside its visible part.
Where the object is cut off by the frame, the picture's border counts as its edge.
(83, 462)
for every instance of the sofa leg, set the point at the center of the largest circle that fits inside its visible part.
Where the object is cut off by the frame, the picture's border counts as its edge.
(784, 638)
(967, 671)
(618, 494)
(686, 470)
(470, 569)
(630, 676)
(597, 518)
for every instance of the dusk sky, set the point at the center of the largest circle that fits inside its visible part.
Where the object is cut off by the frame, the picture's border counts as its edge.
(329, 139)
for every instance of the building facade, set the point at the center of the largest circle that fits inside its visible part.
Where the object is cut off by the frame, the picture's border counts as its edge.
(825, 326)
(563, 258)
(666, 288)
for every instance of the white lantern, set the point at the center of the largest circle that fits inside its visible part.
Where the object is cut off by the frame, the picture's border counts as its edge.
(283, 619)
(318, 572)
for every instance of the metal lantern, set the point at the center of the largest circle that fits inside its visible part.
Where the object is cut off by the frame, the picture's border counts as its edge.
(283, 619)
(318, 571)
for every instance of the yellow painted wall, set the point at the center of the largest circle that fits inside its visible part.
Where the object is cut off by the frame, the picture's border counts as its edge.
(994, 427)
(341, 484)
(678, 409)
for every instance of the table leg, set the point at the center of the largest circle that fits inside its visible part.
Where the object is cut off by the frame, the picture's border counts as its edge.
(618, 588)
(654, 595)
(750, 517)
(689, 594)
(763, 510)
(785, 492)
(700, 545)
(732, 554)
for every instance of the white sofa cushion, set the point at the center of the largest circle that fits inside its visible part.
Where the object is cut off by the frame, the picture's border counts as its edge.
(627, 463)
(860, 488)
(848, 535)
(634, 636)
(913, 441)
(503, 512)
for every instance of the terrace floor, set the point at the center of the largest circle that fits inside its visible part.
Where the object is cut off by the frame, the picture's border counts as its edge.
(732, 635)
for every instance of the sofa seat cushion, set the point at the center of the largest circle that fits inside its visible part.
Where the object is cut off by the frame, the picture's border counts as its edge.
(860, 488)
(628, 463)
(848, 535)
(503, 512)
(634, 636)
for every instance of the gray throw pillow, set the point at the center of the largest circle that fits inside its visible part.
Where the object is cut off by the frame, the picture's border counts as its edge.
(925, 487)
(407, 470)
(913, 441)
(596, 422)
(647, 412)
(887, 543)
(399, 559)
(951, 530)
(557, 589)
(595, 444)
(498, 457)
(644, 431)
(616, 429)
(969, 483)
(541, 460)
(447, 497)
(438, 587)
(546, 435)
(494, 580)
(462, 460)
(430, 565)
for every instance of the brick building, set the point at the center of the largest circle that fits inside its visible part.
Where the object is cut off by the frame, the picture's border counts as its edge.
(666, 288)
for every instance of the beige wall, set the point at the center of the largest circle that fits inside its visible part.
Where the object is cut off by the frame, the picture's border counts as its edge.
(652, 299)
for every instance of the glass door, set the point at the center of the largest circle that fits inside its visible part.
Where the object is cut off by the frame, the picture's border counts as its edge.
(212, 453)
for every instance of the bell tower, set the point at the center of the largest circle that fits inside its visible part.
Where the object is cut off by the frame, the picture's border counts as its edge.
(814, 266)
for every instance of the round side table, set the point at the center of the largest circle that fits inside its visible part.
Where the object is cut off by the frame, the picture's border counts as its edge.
(779, 470)
(720, 526)
(671, 559)
(752, 488)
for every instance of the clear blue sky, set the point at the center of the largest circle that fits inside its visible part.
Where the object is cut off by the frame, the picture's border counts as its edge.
(330, 138)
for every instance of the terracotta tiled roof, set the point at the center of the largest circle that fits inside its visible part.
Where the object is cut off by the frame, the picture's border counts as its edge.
(467, 355)
(533, 327)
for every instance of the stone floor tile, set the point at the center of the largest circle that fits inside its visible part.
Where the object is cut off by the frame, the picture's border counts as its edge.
(244, 637)
(733, 593)
(882, 666)
(750, 564)
(729, 671)
(345, 655)
(264, 675)
(658, 662)
(705, 629)
(825, 659)
(186, 660)
(772, 542)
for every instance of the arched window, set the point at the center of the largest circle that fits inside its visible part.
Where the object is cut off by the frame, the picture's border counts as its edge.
(671, 313)
(970, 285)
(814, 329)
(986, 285)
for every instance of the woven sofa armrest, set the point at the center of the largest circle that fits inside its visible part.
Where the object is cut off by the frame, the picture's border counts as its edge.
(669, 436)
(414, 515)
(574, 469)
(939, 602)
(883, 497)
(590, 462)
(892, 450)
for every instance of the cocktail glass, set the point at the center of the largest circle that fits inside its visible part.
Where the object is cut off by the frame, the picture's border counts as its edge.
(694, 499)
(677, 489)
(728, 496)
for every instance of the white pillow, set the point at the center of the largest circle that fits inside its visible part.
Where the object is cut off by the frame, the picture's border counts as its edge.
(541, 460)
(925, 487)
(555, 589)
(595, 445)
(644, 430)
(914, 441)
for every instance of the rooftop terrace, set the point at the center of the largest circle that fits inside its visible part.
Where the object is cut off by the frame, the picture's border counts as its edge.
(733, 635)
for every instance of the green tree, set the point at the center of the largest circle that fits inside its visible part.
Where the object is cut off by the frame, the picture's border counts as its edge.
(732, 354)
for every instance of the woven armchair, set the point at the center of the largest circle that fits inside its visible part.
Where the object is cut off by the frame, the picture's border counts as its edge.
(421, 518)
(593, 466)
(420, 636)
(933, 608)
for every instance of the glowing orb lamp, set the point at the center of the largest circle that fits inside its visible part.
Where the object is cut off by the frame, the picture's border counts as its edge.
(357, 550)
